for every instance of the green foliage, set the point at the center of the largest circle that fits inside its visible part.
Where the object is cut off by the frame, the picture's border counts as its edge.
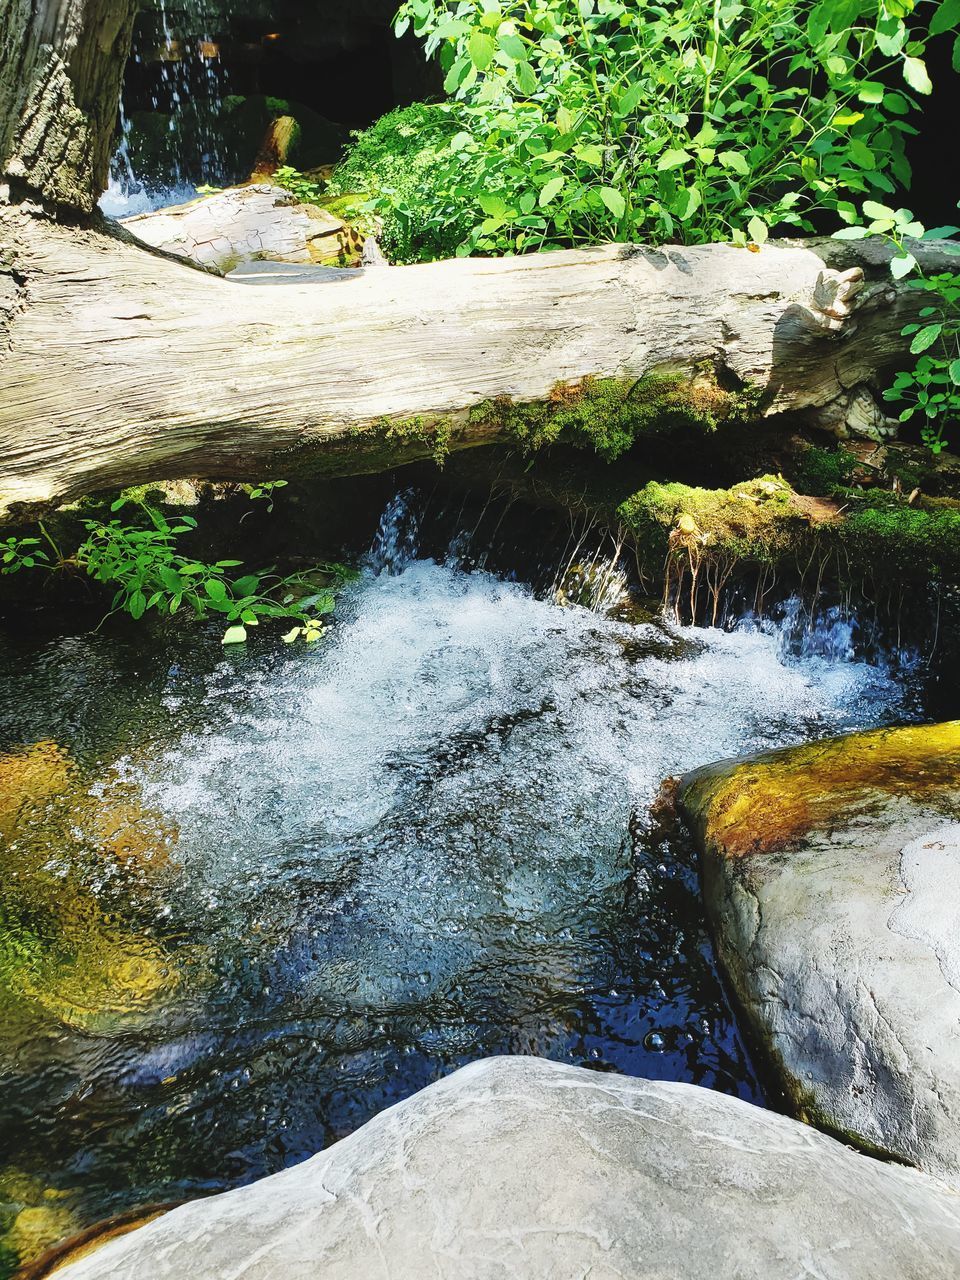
(435, 433)
(22, 553)
(306, 190)
(906, 541)
(931, 389)
(691, 120)
(609, 414)
(265, 489)
(143, 560)
(823, 472)
(397, 171)
(755, 520)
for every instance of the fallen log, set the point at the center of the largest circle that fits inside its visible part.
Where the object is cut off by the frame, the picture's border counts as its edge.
(259, 222)
(120, 366)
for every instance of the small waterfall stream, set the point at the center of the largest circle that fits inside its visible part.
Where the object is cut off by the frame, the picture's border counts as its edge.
(181, 51)
(424, 840)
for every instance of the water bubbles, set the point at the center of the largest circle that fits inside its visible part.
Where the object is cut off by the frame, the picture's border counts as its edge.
(655, 1042)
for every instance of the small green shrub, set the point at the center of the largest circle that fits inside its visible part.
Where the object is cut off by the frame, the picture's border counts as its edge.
(399, 171)
(142, 559)
(931, 389)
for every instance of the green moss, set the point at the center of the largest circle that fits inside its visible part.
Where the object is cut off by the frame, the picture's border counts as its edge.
(609, 415)
(908, 542)
(823, 471)
(758, 520)
(433, 432)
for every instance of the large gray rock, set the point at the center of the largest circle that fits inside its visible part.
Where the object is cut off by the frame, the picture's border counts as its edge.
(522, 1168)
(832, 879)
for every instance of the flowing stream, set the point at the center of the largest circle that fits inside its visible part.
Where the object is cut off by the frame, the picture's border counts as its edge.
(350, 868)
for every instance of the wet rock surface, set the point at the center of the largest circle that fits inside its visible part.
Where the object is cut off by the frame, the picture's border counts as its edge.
(521, 1167)
(832, 880)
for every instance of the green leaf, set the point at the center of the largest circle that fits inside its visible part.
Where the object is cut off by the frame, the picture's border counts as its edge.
(291, 635)
(758, 231)
(215, 589)
(946, 17)
(874, 210)
(493, 205)
(871, 92)
(954, 371)
(614, 201)
(234, 635)
(565, 120)
(915, 74)
(927, 336)
(735, 161)
(673, 159)
(552, 189)
(902, 266)
(512, 46)
(850, 233)
(481, 48)
(526, 78)
(846, 118)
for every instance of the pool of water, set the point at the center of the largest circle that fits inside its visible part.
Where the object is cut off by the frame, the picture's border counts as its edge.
(261, 893)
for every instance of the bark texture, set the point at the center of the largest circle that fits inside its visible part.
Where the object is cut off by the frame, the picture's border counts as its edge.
(118, 366)
(61, 63)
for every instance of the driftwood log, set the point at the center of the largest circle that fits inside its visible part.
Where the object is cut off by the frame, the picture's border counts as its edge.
(118, 365)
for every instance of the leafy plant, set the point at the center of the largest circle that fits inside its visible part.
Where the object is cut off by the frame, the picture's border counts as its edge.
(697, 120)
(143, 560)
(265, 489)
(22, 553)
(396, 180)
(306, 190)
(931, 388)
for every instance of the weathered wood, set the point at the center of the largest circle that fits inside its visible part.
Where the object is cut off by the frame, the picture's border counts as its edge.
(244, 224)
(121, 366)
(61, 63)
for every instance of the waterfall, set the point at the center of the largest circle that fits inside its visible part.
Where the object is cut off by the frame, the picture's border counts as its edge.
(180, 55)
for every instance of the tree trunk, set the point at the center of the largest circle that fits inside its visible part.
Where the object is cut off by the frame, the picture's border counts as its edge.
(61, 63)
(120, 366)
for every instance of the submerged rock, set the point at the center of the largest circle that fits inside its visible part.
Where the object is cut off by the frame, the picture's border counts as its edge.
(62, 950)
(523, 1167)
(832, 879)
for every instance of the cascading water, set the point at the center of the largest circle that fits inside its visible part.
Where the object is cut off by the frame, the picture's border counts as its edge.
(181, 51)
(424, 840)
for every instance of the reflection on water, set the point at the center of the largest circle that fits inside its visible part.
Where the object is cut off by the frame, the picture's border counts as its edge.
(423, 841)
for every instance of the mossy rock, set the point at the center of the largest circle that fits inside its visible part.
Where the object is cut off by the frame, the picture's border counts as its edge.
(33, 1218)
(60, 950)
(830, 880)
(770, 803)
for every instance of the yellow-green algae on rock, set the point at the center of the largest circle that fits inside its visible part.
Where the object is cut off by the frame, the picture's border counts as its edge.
(62, 952)
(33, 1217)
(770, 802)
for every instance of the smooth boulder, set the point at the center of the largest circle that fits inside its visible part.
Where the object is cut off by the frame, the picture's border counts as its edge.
(519, 1167)
(832, 880)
